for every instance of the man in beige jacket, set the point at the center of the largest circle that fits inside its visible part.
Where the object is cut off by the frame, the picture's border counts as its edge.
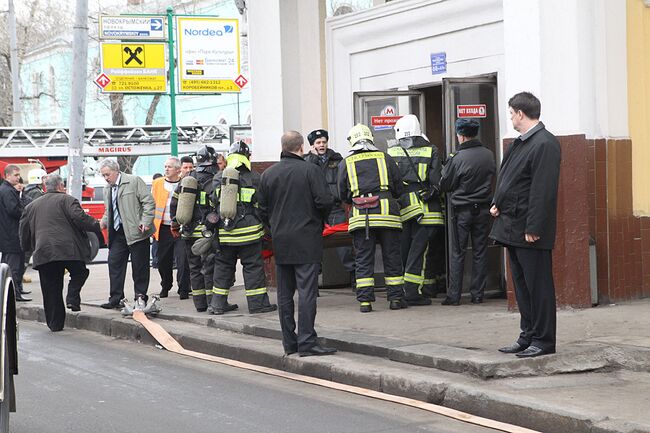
(128, 215)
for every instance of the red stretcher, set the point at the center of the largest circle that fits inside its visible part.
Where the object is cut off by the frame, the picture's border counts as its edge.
(333, 236)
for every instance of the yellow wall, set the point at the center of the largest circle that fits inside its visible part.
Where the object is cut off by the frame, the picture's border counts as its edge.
(638, 67)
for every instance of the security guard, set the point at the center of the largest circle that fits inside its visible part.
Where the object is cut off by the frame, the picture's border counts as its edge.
(421, 212)
(370, 180)
(239, 238)
(328, 160)
(467, 176)
(201, 268)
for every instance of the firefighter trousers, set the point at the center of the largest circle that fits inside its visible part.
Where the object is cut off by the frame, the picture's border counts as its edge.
(197, 278)
(225, 262)
(415, 242)
(365, 263)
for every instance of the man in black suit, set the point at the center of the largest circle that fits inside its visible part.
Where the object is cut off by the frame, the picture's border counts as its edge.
(524, 208)
(294, 202)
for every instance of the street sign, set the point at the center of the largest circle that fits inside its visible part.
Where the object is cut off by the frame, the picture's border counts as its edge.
(209, 55)
(132, 27)
(438, 63)
(102, 81)
(134, 67)
(471, 111)
(386, 119)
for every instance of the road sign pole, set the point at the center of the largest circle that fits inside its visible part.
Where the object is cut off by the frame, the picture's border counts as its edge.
(172, 81)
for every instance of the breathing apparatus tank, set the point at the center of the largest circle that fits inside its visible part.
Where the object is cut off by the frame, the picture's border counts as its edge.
(228, 199)
(186, 200)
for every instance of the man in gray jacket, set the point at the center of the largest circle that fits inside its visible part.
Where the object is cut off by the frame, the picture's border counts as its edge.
(128, 215)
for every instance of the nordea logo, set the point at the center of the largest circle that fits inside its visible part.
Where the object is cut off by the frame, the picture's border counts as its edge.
(207, 32)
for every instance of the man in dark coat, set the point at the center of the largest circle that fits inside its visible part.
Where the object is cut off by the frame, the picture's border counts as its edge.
(54, 227)
(293, 202)
(524, 207)
(328, 161)
(467, 176)
(11, 208)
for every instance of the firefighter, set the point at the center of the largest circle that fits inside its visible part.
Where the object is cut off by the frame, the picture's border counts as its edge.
(240, 233)
(370, 180)
(200, 266)
(421, 212)
(36, 188)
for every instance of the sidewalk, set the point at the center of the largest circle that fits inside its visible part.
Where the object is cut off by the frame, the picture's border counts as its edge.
(597, 382)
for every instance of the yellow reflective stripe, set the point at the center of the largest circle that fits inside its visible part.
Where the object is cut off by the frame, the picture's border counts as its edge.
(365, 282)
(246, 194)
(433, 218)
(242, 230)
(422, 171)
(394, 281)
(362, 156)
(394, 222)
(395, 151)
(429, 281)
(218, 291)
(383, 174)
(255, 292)
(202, 198)
(238, 239)
(352, 175)
(411, 278)
(198, 292)
(420, 152)
(383, 206)
(365, 304)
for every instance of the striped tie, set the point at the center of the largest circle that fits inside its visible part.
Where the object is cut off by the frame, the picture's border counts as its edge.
(117, 222)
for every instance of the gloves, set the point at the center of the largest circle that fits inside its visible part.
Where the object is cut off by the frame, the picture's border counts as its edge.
(175, 228)
(427, 195)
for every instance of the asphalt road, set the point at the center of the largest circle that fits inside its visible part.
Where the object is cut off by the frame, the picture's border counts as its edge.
(77, 381)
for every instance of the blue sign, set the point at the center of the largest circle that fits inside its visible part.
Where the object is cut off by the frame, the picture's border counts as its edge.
(438, 63)
(156, 23)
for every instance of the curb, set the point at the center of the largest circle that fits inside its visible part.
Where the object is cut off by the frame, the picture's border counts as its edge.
(422, 383)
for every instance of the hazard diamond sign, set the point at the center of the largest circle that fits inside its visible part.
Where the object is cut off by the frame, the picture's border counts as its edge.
(241, 81)
(134, 67)
(102, 81)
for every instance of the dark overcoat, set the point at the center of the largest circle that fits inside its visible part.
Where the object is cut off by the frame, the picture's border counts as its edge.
(11, 208)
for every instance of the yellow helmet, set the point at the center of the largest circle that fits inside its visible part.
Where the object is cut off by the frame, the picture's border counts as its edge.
(358, 133)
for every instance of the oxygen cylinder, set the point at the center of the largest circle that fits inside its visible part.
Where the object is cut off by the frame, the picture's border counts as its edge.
(228, 199)
(186, 200)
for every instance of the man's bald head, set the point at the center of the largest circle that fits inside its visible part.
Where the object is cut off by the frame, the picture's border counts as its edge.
(292, 142)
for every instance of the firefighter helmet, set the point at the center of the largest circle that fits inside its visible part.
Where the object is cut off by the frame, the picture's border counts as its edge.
(241, 148)
(206, 155)
(35, 176)
(407, 126)
(359, 132)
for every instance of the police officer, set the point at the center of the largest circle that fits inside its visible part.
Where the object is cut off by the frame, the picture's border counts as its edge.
(329, 160)
(421, 212)
(370, 180)
(467, 177)
(201, 268)
(239, 238)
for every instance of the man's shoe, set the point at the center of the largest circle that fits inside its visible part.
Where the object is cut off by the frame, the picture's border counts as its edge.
(365, 307)
(318, 351)
(513, 348)
(533, 351)
(21, 298)
(110, 306)
(220, 311)
(397, 304)
(449, 301)
(25, 292)
(164, 293)
(266, 309)
(184, 295)
(73, 307)
(418, 301)
(477, 300)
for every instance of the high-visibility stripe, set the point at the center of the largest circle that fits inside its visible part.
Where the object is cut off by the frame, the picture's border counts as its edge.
(198, 292)
(422, 171)
(246, 194)
(383, 206)
(241, 239)
(428, 281)
(255, 292)
(411, 278)
(365, 304)
(203, 198)
(414, 152)
(394, 281)
(383, 174)
(365, 282)
(218, 291)
(352, 176)
(243, 230)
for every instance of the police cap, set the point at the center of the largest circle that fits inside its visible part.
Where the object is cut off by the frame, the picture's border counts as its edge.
(467, 127)
(315, 135)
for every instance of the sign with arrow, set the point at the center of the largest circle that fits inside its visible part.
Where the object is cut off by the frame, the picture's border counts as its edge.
(134, 67)
(241, 81)
(132, 27)
(102, 80)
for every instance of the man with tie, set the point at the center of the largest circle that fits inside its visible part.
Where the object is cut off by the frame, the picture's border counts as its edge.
(128, 215)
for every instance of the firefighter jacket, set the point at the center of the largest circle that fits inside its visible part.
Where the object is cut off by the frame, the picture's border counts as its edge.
(371, 173)
(329, 163)
(247, 227)
(202, 206)
(421, 173)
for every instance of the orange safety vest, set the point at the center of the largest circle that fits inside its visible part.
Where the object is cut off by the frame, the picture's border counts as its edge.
(160, 196)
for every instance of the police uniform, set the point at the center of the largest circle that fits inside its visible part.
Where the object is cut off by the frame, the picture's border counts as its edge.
(373, 174)
(201, 268)
(240, 239)
(467, 177)
(421, 214)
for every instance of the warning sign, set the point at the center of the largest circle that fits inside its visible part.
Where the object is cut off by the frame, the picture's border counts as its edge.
(134, 67)
(475, 111)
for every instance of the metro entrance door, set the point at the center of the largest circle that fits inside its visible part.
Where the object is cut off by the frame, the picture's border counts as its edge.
(474, 97)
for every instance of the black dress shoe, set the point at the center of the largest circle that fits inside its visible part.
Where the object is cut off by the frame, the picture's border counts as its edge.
(110, 306)
(513, 348)
(266, 309)
(318, 351)
(288, 352)
(533, 351)
(184, 296)
(449, 301)
(73, 307)
(21, 298)
(477, 300)
(164, 293)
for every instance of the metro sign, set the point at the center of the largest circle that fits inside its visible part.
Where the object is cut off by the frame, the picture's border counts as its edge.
(102, 80)
(241, 81)
(471, 111)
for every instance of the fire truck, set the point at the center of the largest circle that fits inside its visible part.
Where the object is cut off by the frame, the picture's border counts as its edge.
(47, 148)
